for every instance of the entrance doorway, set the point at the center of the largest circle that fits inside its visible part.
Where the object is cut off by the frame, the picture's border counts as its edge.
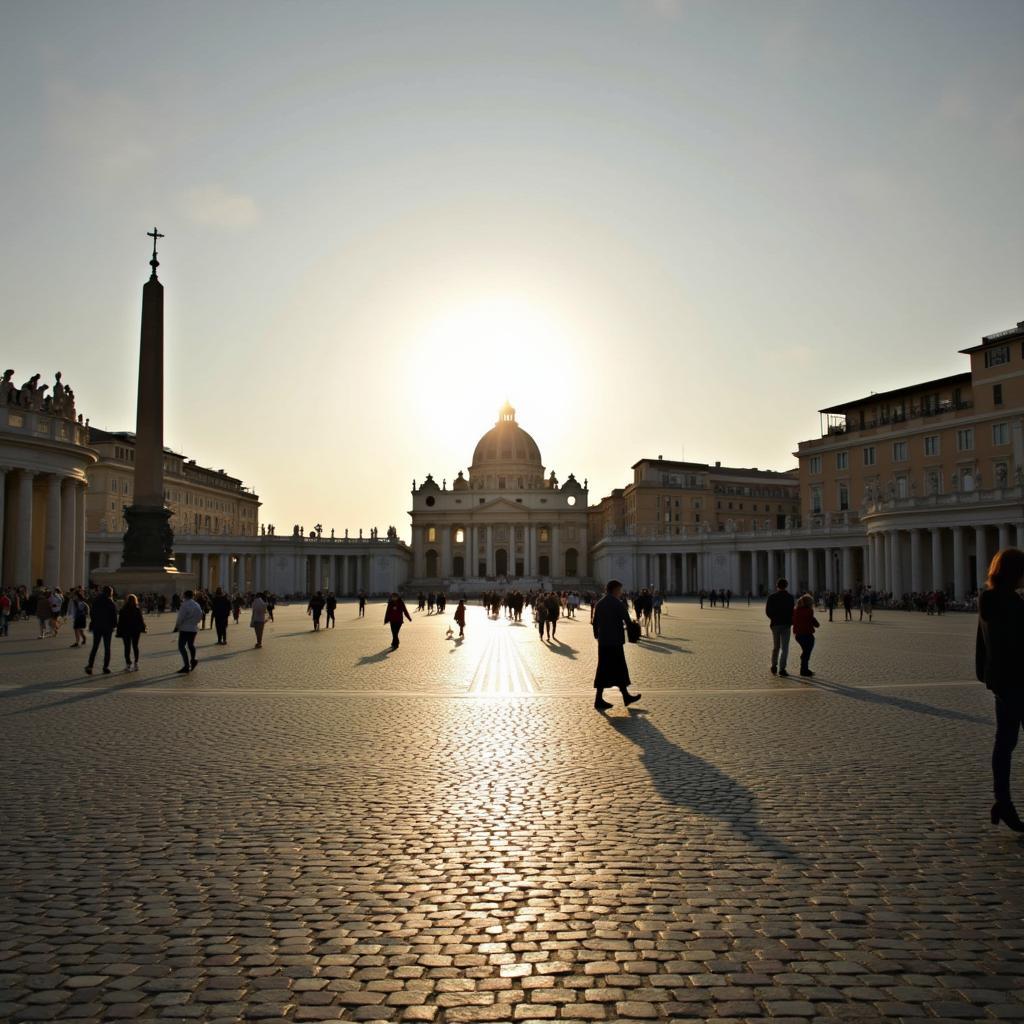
(431, 564)
(501, 562)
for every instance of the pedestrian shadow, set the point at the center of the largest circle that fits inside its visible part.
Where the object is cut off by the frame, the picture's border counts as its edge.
(902, 703)
(370, 659)
(660, 647)
(561, 648)
(96, 691)
(458, 641)
(687, 780)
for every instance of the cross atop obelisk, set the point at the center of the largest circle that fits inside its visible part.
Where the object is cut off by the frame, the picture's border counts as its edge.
(154, 262)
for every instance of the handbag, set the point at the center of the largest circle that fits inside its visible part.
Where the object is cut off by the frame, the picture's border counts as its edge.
(633, 631)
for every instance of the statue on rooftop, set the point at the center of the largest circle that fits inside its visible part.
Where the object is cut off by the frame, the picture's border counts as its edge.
(7, 388)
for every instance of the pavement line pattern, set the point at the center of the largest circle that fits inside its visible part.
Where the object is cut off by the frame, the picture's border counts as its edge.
(502, 671)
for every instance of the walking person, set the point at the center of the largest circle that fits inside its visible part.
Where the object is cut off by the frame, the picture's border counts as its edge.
(130, 626)
(330, 604)
(804, 624)
(779, 609)
(394, 615)
(102, 622)
(5, 614)
(553, 608)
(611, 618)
(220, 608)
(460, 617)
(999, 664)
(186, 625)
(314, 608)
(362, 604)
(78, 612)
(258, 616)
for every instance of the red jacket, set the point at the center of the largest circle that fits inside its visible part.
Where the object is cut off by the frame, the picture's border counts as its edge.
(804, 621)
(395, 610)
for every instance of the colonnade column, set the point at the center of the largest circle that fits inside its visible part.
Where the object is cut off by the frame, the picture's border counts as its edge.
(23, 531)
(81, 568)
(446, 551)
(959, 564)
(897, 564)
(68, 531)
(812, 570)
(3, 491)
(938, 576)
(1004, 536)
(490, 549)
(847, 582)
(556, 552)
(51, 539)
(1020, 535)
(980, 556)
(755, 583)
(916, 583)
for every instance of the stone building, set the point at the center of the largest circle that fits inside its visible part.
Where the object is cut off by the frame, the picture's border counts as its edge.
(204, 501)
(44, 459)
(932, 472)
(506, 520)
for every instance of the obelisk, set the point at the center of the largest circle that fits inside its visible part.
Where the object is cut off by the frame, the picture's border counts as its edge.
(147, 562)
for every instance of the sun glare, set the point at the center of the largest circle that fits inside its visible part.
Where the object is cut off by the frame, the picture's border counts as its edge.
(476, 355)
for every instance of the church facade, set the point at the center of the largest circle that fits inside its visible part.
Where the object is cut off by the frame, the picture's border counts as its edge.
(505, 522)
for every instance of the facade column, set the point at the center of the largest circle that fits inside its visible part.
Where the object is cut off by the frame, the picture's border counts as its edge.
(916, 582)
(938, 576)
(446, 551)
(51, 538)
(68, 532)
(812, 570)
(81, 566)
(755, 583)
(897, 564)
(556, 553)
(490, 549)
(830, 573)
(878, 562)
(888, 558)
(847, 583)
(959, 564)
(1004, 536)
(3, 494)
(1020, 535)
(23, 531)
(980, 556)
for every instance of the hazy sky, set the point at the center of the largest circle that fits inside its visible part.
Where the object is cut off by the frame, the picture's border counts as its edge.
(657, 227)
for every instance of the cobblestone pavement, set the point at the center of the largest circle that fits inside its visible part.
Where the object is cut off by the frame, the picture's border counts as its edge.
(325, 830)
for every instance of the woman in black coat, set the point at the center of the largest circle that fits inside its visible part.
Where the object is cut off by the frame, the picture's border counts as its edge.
(999, 662)
(130, 626)
(610, 617)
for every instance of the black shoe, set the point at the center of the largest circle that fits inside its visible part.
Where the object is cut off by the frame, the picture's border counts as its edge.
(194, 663)
(601, 705)
(630, 698)
(774, 670)
(106, 671)
(88, 670)
(1007, 813)
(807, 673)
(783, 672)
(184, 670)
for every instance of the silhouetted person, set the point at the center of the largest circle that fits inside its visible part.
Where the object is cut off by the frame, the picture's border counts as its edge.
(779, 609)
(999, 662)
(330, 604)
(315, 608)
(362, 604)
(804, 624)
(220, 608)
(611, 617)
(394, 615)
(102, 621)
(130, 626)
(259, 609)
(186, 625)
(460, 617)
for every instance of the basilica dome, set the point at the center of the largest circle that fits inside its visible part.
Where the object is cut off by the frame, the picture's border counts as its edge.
(507, 452)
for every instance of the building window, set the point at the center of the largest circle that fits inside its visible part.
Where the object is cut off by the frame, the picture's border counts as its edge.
(869, 455)
(842, 460)
(431, 534)
(902, 487)
(696, 503)
(899, 451)
(997, 356)
(997, 394)
(501, 483)
(932, 445)
(542, 535)
(1000, 433)
(815, 500)
(933, 481)
(460, 536)
(844, 498)
(965, 440)
(815, 464)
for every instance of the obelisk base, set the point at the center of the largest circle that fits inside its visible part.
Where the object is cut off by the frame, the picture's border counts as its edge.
(138, 580)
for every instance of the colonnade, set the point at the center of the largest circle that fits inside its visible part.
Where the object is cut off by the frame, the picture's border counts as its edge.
(42, 528)
(483, 554)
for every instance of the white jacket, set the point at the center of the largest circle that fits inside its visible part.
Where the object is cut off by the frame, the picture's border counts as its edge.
(189, 617)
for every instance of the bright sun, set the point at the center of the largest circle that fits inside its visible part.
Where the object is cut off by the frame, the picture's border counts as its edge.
(472, 357)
